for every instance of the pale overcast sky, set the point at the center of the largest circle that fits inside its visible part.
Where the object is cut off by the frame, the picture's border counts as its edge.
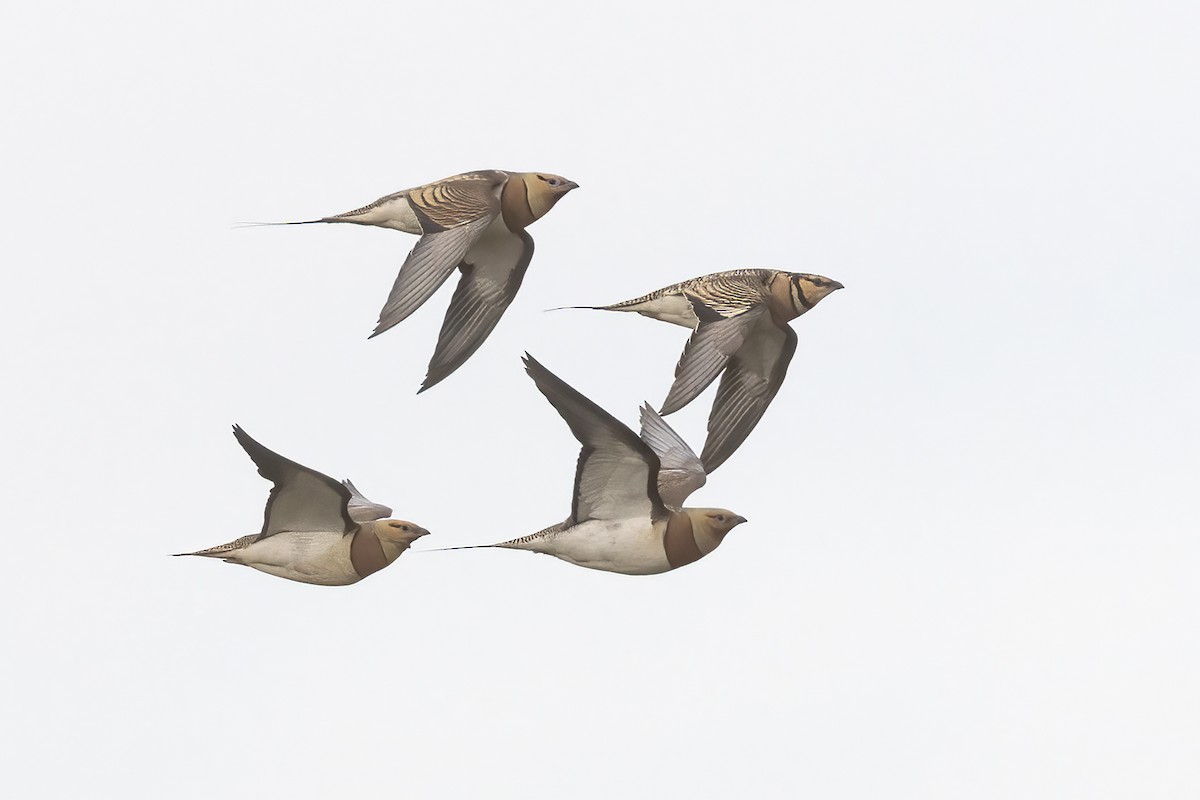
(970, 568)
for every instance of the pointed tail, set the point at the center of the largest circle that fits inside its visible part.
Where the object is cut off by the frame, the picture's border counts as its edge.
(225, 550)
(460, 547)
(275, 224)
(585, 308)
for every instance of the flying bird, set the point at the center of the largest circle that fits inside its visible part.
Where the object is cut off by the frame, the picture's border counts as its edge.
(740, 328)
(619, 520)
(476, 222)
(315, 530)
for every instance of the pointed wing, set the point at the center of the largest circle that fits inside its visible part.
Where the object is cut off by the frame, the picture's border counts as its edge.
(716, 338)
(491, 275)
(617, 474)
(302, 499)
(748, 386)
(363, 510)
(426, 269)
(681, 471)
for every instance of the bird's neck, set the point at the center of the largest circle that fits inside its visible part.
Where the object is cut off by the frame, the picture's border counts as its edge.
(781, 304)
(679, 540)
(514, 204)
(369, 553)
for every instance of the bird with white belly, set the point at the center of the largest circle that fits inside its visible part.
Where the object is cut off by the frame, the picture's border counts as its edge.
(739, 320)
(315, 530)
(474, 222)
(619, 520)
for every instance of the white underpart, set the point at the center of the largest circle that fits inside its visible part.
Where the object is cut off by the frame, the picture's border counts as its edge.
(321, 558)
(396, 214)
(673, 308)
(629, 546)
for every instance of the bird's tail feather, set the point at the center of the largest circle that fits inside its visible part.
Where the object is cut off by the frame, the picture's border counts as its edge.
(225, 550)
(460, 547)
(274, 224)
(529, 542)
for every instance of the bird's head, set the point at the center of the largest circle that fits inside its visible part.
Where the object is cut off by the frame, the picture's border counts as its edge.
(808, 290)
(398, 531)
(529, 196)
(713, 522)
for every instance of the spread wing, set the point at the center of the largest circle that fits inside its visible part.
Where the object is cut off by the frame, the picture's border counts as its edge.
(427, 268)
(681, 471)
(491, 275)
(302, 499)
(617, 474)
(748, 386)
(453, 213)
(363, 510)
(717, 337)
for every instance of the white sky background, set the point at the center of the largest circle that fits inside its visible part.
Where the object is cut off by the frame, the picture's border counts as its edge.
(970, 568)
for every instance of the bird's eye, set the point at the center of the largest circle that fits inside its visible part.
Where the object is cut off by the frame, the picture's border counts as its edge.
(404, 527)
(720, 517)
(552, 181)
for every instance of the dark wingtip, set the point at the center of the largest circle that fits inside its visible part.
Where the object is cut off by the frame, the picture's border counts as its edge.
(536, 369)
(713, 460)
(381, 326)
(670, 408)
(435, 375)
